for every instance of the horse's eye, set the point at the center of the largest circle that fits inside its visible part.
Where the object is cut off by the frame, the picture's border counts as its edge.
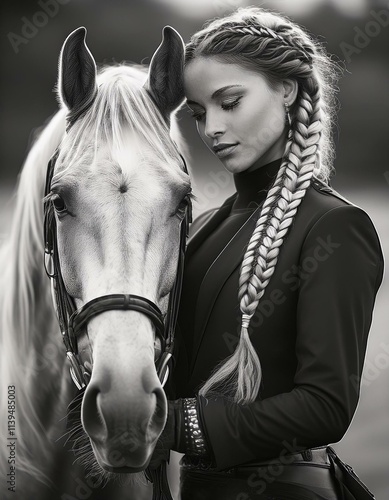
(59, 204)
(181, 209)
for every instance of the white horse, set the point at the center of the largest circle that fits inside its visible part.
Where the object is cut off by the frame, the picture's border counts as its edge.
(118, 197)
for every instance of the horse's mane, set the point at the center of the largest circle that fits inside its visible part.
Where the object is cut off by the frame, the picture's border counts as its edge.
(25, 300)
(24, 288)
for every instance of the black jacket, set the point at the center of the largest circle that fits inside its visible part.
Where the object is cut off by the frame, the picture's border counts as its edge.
(310, 330)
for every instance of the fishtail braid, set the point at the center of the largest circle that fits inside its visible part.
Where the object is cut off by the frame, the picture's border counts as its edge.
(276, 217)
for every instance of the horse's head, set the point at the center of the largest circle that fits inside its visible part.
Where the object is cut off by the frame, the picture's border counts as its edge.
(118, 195)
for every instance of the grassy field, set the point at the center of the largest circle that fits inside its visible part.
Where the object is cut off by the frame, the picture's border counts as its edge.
(366, 444)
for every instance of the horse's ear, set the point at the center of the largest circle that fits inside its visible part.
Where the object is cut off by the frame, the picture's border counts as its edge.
(77, 72)
(165, 79)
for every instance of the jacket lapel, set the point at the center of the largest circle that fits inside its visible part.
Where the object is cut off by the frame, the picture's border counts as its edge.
(219, 272)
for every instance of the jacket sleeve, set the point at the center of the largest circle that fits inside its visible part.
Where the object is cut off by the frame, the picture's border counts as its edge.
(334, 313)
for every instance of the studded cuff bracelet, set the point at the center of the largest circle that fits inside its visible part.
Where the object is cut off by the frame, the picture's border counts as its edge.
(194, 437)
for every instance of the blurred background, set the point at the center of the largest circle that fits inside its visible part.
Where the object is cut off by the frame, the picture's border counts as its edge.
(356, 32)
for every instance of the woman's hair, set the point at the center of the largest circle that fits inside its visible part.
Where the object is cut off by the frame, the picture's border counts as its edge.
(278, 49)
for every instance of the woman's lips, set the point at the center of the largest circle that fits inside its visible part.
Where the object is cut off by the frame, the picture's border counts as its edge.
(223, 151)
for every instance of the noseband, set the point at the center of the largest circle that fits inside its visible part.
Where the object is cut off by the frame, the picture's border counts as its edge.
(73, 322)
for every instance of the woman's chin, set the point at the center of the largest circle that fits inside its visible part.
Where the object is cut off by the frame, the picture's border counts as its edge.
(234, 166)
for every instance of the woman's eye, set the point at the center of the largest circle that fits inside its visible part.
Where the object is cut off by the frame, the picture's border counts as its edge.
(228, 105)
(59, 204)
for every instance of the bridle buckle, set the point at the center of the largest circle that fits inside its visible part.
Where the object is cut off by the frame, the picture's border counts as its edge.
(49, 263)
(76, 371)
(163, 367)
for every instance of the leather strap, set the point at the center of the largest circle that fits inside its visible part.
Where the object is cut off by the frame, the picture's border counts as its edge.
(307, 474)
(317, 455)
(80, 318)
(312, 456)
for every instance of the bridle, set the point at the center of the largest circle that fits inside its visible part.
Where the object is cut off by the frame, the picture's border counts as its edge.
(73, 322)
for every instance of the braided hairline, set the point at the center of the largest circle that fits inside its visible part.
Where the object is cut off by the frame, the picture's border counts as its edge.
(267, 32)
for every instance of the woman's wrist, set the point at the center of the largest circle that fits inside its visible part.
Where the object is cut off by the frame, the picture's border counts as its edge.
(189, 436)
(195, 443)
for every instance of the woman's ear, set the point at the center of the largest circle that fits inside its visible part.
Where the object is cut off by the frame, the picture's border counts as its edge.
(290, 88)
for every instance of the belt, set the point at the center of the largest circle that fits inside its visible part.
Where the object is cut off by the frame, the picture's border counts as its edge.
(312, 456)
(310, 468)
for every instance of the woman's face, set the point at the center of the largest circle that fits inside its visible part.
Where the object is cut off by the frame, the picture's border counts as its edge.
(239, 116)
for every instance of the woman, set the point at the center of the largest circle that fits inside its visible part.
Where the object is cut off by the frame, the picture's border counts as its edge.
(279, 282)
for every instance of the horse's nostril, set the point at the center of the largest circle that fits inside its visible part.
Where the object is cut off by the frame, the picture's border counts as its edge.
(157, 421)
(92, 417)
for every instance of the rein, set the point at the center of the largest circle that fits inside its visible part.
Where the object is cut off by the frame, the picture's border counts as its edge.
(73, 323)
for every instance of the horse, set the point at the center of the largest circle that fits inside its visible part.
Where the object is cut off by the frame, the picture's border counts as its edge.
(117, 195)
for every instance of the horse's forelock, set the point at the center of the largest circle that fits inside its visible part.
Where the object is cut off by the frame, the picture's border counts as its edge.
(121, 102)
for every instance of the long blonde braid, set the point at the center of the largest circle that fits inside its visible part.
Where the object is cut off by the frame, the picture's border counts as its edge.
(279, 49)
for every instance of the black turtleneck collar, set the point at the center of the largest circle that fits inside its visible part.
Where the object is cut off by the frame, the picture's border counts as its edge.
(252, 186)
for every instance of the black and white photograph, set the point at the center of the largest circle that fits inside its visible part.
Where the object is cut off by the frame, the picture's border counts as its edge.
(194, 201)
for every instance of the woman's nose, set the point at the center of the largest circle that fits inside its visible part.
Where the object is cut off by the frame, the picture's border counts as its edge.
(213, 127)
